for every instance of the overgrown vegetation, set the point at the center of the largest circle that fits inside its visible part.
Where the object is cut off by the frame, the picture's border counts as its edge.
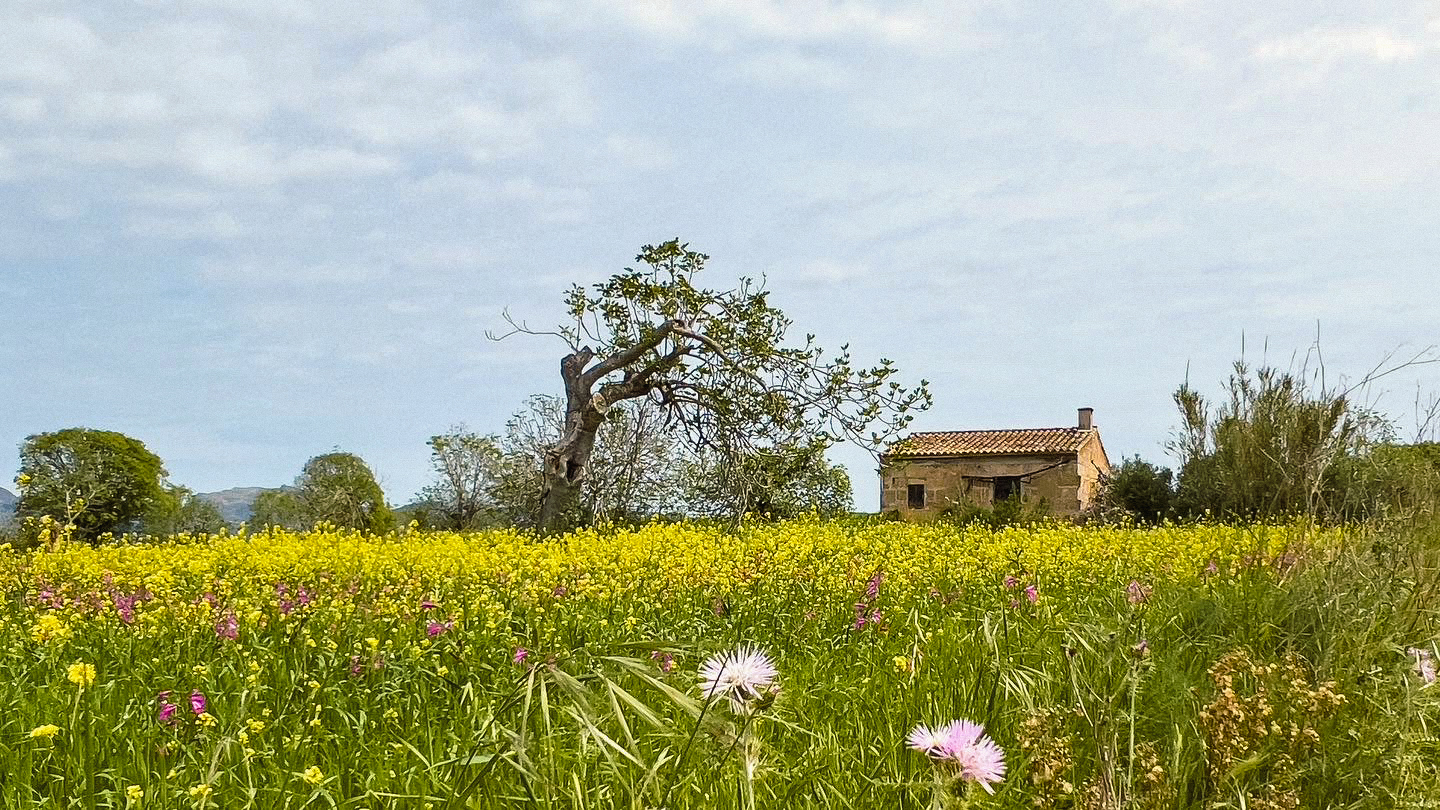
(1195, 667)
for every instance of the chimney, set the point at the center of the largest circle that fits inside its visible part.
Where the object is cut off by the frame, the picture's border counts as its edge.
(1087, 418)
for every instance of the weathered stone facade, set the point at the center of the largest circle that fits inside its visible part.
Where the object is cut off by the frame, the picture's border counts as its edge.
(928, 474)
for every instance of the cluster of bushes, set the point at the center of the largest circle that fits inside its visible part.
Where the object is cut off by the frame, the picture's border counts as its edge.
(1279, 446)
(101, 483)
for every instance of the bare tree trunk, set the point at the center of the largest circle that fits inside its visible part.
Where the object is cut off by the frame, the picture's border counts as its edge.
(566, 467)
(568, 462)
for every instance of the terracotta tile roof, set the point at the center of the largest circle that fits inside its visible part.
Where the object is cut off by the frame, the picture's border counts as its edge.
(991, 442)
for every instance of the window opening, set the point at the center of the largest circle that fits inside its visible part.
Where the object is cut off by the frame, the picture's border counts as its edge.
(916, 493)
(1007, 488)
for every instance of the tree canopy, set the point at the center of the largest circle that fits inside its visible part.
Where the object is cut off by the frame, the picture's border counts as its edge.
(717, 363)
(98, 481)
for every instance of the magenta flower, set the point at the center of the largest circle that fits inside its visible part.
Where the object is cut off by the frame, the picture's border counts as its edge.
(197, 702)
(664, 660)
(520, 655)
(1032, 593)
(1011, 581)
(434, 629)
(228, 627)
(428, 605)
(872, 588)
(167, 709)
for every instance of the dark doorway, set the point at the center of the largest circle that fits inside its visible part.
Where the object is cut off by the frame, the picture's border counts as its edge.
(916, 494)
(1007, 488)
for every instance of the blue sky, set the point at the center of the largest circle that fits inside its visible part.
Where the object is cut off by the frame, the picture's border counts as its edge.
(251, 231)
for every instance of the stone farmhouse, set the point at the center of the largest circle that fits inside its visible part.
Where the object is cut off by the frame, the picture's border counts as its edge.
(925, 474)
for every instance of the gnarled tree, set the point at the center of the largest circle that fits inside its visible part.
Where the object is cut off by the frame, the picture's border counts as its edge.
(715, 361)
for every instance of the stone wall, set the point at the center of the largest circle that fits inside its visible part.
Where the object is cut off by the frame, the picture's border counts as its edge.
(1068, 486)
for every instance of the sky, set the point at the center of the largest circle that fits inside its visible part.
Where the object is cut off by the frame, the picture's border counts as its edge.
(251, 231)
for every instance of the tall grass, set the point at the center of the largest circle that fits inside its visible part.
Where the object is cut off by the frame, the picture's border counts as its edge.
(1199, 667)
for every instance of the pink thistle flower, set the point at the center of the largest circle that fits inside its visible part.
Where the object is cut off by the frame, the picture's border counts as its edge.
(965, 746)
(745, 676)
(928, 741)
(197, 702)
(1424, 664)
(981, 761)
(434, 629)
(1011, 582)
(520, 655)
(1032, 593)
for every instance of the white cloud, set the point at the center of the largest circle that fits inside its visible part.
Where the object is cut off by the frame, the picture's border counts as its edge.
(1327, 45)
(718, 21)
(209, 227)
(641, 152)
(794, 70)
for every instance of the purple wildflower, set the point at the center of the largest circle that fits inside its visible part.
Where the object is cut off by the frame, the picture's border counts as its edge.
(167, 709)
(1136, 593)
(872, 588)
(1011, 581)
(520, 655)
(1424, 664)
(664, 660)
(1032, 592)
(228, 627)
(197, 702)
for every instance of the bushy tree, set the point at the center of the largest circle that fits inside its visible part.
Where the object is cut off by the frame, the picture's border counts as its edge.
(97, 481)
(468, 469)
(776, 483)
(1274, 447)
(716, 361)
(339, 488)
(279, 508)
(335, 488)
(1144, 491)
(181, 512)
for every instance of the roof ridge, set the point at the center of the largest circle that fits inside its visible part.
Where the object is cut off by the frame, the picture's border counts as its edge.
(996, 430)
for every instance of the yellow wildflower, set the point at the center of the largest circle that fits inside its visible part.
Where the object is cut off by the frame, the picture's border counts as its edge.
(81, 674)
(45, 732)
(49, 627)
(313, 775)
(134, 793)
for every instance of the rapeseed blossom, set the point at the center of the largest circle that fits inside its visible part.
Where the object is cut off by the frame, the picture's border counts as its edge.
(45, 732)
(313, 775)
(80, 674)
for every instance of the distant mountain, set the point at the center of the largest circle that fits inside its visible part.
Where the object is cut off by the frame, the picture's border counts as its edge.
(237, 503)
(7, 505)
